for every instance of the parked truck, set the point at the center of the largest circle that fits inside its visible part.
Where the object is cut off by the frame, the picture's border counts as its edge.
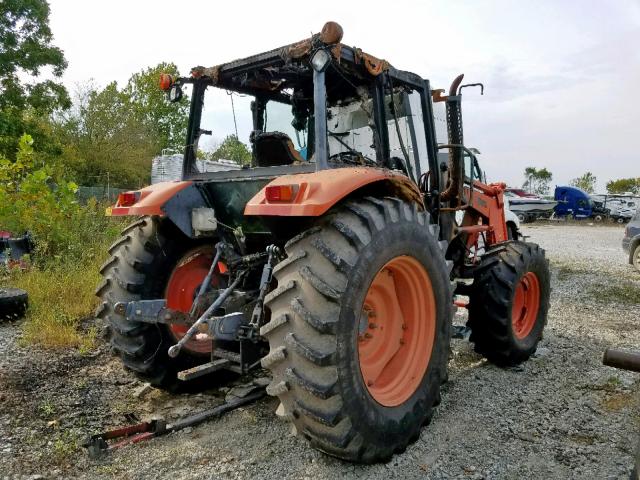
(572, 202)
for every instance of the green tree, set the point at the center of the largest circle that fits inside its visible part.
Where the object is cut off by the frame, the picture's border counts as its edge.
(586, 182)
(25, 50)
(232, 149)
(39, 197)
(166, 119)
(537, 180)
(104, 140)
(624, 185)
(111, 135)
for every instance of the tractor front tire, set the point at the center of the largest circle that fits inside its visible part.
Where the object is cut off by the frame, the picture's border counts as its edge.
(508, 303)
(140, 267)
(359, 329)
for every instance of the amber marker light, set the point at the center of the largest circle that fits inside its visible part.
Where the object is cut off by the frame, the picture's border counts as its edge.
(166, 81)
(281, 193)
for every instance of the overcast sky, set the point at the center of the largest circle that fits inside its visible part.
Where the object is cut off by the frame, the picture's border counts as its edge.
(562, 78)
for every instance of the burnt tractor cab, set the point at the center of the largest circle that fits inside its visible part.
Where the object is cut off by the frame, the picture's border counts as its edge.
(334, 267)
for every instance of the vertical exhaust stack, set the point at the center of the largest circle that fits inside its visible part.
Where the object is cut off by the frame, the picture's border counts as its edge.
(453, 189)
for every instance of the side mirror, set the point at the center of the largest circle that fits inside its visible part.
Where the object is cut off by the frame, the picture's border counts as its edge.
(175, 93)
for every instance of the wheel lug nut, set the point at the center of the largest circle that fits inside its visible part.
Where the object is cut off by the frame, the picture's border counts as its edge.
(367, 335)
(372, 326)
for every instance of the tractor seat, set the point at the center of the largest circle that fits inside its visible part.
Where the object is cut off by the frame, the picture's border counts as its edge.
(274, 148)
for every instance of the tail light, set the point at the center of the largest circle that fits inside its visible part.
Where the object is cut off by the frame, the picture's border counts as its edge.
(126, 199)
(281, 193)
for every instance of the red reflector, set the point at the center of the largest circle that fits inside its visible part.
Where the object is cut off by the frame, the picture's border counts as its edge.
(280, 193)
(126, 199)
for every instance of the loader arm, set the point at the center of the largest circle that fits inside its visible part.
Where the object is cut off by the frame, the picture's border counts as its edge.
(484, 213)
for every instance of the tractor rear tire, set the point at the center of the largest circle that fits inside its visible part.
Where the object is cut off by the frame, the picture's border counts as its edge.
(140, 266)
(322, 345)
(508, 303)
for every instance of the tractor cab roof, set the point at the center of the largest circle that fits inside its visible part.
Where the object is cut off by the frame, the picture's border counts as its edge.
(279, 73)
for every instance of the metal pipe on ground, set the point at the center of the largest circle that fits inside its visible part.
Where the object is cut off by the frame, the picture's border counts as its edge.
(621, 359)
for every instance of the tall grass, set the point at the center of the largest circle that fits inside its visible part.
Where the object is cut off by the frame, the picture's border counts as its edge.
(61, 288)
(60, 297)
(71, 241)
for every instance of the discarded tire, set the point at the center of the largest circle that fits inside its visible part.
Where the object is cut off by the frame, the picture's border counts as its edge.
(508, 303)
(13, 303)
(336, 312)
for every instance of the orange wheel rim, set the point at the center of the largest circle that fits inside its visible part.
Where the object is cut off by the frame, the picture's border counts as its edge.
(526, 303)
(396, 331)
(182, 287)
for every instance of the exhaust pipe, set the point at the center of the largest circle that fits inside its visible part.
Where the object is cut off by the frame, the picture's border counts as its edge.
(454, 130)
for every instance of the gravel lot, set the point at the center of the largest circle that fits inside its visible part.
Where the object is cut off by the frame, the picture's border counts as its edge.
(560, 415)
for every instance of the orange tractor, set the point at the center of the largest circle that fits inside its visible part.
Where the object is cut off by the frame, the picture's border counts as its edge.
(332, 266)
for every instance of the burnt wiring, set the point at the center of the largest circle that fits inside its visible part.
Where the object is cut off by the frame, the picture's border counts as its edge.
(233, 110)
(365, 159)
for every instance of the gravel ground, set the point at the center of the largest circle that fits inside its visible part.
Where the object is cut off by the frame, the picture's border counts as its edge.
(560, 415)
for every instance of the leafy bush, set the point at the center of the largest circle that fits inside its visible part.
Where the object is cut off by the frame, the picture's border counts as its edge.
(70, 238)
(37, 198)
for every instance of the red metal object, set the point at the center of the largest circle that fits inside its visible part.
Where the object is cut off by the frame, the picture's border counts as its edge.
(461, 303)
(395, 344)
(98, 445)
(475, 228)
(319, 191)
(150, 200)
(526, 303)
(484, 213)
(183, 284)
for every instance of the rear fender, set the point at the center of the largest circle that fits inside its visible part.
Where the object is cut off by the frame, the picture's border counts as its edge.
(316, 193)
(173, 200)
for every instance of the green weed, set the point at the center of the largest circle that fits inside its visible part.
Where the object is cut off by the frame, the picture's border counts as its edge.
(624, 292)
(65, 445)
(47, 408)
